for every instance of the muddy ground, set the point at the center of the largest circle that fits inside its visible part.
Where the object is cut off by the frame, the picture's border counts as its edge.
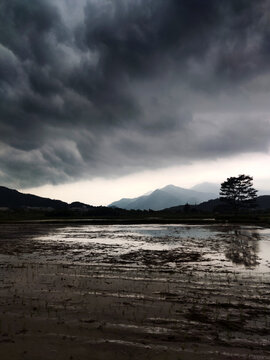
(138, 292)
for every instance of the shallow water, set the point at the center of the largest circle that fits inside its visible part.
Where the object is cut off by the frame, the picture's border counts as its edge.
(222, 248)
(140, 291)
(231, 247)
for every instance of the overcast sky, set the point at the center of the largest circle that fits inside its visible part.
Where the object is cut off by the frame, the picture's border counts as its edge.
(101, 99)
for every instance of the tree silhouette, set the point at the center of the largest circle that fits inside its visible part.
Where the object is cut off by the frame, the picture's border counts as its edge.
(238, 191)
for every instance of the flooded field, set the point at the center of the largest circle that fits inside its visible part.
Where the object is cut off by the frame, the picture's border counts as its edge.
(134, 292)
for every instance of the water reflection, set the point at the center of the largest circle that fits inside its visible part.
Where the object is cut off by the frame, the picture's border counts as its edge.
(241, 245)
(243, 248)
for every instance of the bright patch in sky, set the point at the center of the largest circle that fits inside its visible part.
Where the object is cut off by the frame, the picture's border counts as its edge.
(101, 191)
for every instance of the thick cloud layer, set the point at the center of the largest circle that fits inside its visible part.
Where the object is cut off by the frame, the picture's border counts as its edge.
(104, 87)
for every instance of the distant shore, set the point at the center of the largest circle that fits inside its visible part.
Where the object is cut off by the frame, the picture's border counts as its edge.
(261, 221)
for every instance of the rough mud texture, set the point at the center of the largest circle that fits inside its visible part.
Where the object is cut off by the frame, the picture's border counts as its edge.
(141, 292)
(159, 257)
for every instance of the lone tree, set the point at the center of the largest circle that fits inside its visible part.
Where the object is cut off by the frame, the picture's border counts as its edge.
(238, 191)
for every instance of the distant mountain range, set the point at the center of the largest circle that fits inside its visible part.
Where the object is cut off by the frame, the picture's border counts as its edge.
(173, 196)
(169, 196)
(166, 197)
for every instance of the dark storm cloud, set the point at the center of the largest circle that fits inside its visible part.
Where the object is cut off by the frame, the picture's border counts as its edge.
(115, 86)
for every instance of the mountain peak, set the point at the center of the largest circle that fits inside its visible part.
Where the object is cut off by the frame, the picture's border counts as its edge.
(165, 197)
(172, 187)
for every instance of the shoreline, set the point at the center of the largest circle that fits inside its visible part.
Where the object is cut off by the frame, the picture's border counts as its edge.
(136, 221)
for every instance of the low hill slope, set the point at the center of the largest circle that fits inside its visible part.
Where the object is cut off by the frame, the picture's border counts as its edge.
(14, 199)
(262, 203)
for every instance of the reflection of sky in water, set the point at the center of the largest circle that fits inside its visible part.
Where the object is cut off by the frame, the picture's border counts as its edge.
(246, 246)
(264, 250)
(177, 231)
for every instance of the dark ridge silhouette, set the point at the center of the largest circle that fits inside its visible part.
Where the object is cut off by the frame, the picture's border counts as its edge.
(80, 205)
(14, 199)
(262, 203)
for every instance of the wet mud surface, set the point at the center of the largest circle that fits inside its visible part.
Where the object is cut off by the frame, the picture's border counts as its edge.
(134, 292)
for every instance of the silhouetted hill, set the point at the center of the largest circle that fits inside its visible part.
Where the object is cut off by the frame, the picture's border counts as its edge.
(14, 199)
(262, 202)
(79, 205)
